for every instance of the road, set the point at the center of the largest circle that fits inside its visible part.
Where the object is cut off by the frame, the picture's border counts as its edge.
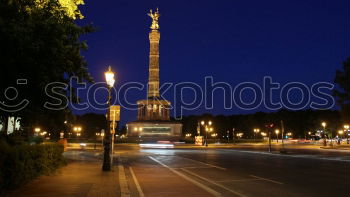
(230, 172)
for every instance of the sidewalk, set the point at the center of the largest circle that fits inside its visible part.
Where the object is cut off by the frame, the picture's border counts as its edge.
(77, 179)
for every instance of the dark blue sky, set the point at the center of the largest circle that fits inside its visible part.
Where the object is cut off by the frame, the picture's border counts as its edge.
(232, 40)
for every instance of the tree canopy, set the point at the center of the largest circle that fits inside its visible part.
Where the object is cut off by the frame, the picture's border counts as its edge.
(40, 43)
(342, 92)
(297, 122)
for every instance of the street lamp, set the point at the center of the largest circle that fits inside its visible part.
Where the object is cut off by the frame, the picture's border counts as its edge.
(207, 129)
(340, 132)
(37, 130)
(107, 160)
(77, 129)
(214, 135)
(256, 131)
(346, 130)
(277, 131)
(324, 124)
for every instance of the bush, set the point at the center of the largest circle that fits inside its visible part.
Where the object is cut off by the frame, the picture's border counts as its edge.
(22, 163)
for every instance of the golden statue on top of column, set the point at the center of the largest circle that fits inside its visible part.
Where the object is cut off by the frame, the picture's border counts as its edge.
(155, 16)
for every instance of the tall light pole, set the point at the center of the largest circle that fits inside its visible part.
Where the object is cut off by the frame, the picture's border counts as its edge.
(256, 131)
(207, 129)
(277, 131)
(346, 131)
(324, 124)
(107, 160)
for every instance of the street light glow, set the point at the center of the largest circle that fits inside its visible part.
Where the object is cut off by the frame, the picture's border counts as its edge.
(110, 77)
(77, 129)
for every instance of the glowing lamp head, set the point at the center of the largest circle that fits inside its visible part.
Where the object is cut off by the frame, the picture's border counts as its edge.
(110, 77)
(324, 124)
(277, 131)
(210, 123)
(202, 123)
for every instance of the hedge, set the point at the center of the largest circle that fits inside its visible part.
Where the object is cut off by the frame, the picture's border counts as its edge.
(22, 163)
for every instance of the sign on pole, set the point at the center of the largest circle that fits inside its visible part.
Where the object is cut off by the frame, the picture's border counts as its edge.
(114, 115)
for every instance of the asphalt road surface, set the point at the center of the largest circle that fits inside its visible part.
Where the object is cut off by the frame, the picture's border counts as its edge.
(230, 172)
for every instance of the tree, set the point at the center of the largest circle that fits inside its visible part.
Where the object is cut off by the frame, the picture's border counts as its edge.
(92, 123)
(342, 93)
(40, 43)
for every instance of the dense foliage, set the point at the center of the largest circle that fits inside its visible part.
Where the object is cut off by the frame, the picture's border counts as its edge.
(40, 43)
(298, 122)
(342, 93)
(22, 163)
(92, 124)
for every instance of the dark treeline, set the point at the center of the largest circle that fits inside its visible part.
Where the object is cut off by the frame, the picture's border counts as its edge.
(297, 122)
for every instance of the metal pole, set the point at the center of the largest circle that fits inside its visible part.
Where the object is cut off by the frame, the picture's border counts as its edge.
(113, 133)
(228, 136)
(282, 127)
(233, 135)
(107, 160)
(206, 137)
(269, 141)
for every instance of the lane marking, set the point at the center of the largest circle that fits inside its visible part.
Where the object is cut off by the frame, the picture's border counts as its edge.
(206, 188)
(214, 183)
(238, 180)
(124, 188)
(207, 164)
(316, 157)
(193, 167)
(139, 189)
(265, 179)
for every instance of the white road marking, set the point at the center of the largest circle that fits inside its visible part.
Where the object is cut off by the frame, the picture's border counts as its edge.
(194, 167)
(238, 180)
(124, 188)
(318, 157)
(207, 164)
(206, 188)
(214, 183)
(136, 182)
(265, 179)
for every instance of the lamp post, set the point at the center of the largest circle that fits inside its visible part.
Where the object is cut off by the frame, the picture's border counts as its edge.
(77, 130)
(37, 130)
(107, 160)
(346, 131)
(256, 131)
(207, 129)
(324, 124)
(341, 133)
(277, 131)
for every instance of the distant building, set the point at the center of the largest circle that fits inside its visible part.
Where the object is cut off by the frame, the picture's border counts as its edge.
(153, 118)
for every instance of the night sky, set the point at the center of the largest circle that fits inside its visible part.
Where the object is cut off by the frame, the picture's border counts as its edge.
(232, 40)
